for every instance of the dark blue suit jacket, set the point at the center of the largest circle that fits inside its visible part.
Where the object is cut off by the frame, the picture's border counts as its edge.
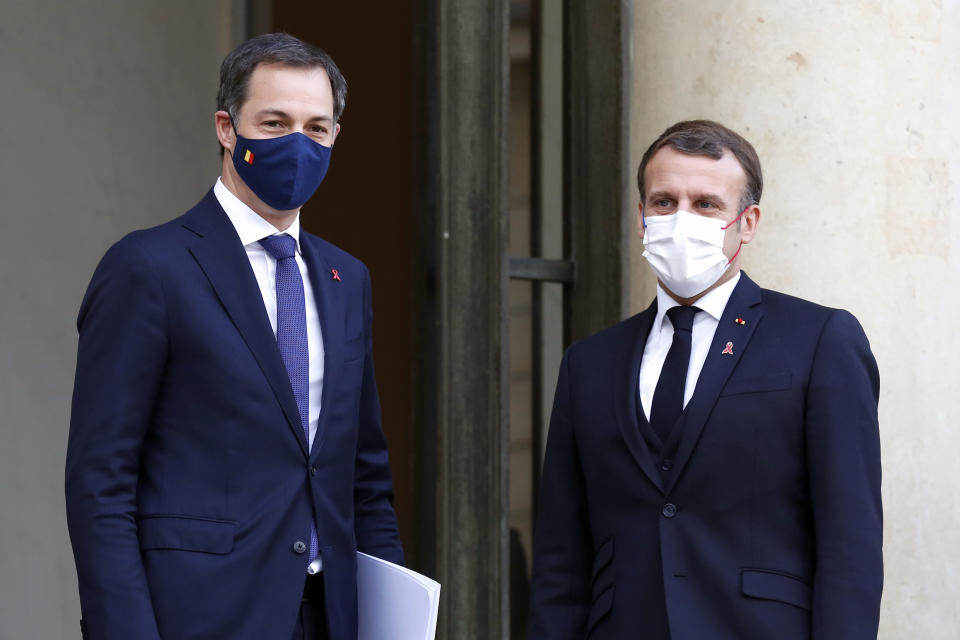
(761, 519)
(188, 479)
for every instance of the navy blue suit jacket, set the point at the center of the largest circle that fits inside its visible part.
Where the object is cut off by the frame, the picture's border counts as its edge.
(188, 478)
(761, 520)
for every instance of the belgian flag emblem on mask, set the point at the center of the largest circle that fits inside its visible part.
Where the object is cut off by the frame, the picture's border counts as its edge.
(248, 156)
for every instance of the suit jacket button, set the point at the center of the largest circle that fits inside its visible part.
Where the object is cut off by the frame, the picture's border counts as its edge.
(299, 546)
(313, 470)
(666, 464)
(669, 510)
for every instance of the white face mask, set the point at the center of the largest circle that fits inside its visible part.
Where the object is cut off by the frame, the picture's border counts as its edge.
(686, 251)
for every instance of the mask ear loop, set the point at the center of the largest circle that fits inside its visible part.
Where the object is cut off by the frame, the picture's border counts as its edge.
(236, 134)
(734, 256)
(643, 218)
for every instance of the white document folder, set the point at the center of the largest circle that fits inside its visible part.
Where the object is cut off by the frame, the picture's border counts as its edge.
(395, 603)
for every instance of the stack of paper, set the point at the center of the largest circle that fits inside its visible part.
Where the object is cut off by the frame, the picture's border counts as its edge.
(395, 603)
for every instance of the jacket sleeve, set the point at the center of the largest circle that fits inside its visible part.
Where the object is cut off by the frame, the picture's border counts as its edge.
(375, 519)
(843, 458)
(120, 359)
(562, 554)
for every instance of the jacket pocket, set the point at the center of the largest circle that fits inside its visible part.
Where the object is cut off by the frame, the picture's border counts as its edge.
(185, 533)
(601, 559)
(599, 609)
(758, 384)
(767, 584)
(601, 584)
(354, 348)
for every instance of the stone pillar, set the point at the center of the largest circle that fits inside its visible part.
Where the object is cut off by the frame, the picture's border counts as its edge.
(469, 393)
(853, 108)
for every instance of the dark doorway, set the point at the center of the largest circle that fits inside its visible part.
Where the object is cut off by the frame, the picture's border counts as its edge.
(366, 204)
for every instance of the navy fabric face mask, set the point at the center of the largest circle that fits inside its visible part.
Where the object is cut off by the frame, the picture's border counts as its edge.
(284, 172)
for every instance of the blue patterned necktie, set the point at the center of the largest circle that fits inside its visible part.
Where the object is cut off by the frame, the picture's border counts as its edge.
(667, 402)
(292, 334)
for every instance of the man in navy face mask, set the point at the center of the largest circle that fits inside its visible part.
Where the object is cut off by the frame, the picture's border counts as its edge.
(279, 141)
(226, 458)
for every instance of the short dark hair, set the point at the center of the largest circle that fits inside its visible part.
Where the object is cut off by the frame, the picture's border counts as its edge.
(274, 48)
(708, 138)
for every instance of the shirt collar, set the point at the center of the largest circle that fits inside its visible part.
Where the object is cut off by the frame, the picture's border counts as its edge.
(249, 225)
(713, 302)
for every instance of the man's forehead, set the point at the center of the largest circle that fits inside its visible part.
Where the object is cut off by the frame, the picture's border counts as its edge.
(280, 70)
(273, 85)
(670, 169)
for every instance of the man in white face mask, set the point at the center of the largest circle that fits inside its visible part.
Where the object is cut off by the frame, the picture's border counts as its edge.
(713, 463)
(698, 214)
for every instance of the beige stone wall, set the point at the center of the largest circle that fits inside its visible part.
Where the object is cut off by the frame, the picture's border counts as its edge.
(854, 108)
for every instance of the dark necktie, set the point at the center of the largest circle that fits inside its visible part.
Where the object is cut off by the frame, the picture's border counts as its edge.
(667, 402)
(292, 334)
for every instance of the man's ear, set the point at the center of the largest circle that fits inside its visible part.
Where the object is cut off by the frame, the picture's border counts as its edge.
(225, 133)
(336, 132)
(749, 223)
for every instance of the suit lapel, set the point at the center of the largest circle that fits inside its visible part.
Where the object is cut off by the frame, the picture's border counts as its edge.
(329, 295)
(729, 342)
(626, 378)
(224, 261)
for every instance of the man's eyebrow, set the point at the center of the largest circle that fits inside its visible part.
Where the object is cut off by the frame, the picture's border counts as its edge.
(283, 115)
(272, 112)
(712, 197)
(660, 194)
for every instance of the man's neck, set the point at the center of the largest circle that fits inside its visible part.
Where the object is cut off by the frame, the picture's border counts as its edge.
(731, 272)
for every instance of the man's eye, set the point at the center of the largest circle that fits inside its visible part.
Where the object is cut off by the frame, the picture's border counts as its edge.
(662, 203)
(273, 124)
(705, 204)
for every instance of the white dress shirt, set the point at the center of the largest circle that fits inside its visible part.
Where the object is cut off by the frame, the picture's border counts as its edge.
(661, 337)
(252, 228)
